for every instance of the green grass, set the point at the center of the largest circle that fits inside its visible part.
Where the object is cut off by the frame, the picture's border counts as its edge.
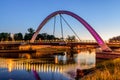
(108, 70)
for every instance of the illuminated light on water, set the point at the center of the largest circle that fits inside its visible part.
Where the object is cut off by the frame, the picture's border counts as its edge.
(56, 59)
(10, 65)
(85, 60)
(82, 60)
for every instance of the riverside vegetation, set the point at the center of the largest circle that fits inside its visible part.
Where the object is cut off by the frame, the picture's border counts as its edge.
(108, 70)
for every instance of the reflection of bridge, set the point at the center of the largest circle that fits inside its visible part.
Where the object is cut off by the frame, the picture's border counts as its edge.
(24, 65)
(39, 66)
(42, 68)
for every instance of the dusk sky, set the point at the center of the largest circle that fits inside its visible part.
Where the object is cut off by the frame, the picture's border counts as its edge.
(103, 15)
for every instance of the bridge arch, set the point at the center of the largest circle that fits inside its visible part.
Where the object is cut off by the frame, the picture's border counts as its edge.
(99, 40)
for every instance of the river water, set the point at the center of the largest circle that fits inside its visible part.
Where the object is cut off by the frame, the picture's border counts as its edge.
(60, 66)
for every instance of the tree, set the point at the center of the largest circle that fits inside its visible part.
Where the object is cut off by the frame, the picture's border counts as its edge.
(29, 35)
(50, 37)
(71, 38)
(39, 37)
(45, 36)
(18, 36)
(114, 39)
(5, 36)
(31, 30)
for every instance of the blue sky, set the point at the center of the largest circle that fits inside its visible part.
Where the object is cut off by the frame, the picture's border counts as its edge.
(103, 15)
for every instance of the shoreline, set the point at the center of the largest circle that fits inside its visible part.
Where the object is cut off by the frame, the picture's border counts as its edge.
(105, 70)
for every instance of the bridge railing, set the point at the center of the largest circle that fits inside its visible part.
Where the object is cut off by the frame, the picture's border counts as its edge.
(11, 42)
(49, 41)
(84, 41)
(57, 41)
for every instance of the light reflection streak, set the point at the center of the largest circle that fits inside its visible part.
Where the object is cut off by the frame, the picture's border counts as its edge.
(83, 60)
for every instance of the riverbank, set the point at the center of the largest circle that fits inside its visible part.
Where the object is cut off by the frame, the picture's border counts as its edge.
(107, 70)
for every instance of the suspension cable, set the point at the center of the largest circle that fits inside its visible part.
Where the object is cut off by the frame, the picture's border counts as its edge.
(61, 26)
(70, 27)
(54, 26)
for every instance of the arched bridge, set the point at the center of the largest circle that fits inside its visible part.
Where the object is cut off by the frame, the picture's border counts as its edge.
(99, 40)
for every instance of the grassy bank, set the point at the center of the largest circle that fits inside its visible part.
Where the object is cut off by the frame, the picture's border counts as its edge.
(108, 70)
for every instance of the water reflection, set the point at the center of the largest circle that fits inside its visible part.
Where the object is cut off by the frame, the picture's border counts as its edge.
(60, 67)
(61, 58)
(85, 59)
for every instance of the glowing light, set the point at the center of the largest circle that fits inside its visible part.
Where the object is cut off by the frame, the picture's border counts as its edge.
(10, 65)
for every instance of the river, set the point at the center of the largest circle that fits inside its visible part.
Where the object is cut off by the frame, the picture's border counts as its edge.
(59, 66)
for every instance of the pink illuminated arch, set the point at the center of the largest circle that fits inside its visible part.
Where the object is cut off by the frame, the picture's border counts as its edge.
(82, 21)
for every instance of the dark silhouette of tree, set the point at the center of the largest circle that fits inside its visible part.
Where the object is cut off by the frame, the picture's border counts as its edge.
(29, 35)
(115, 39)
(71, 38)
(5, 36)
(39, 37)
(31, 30)
(50, 37)
(18, 36)
(45, 36)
